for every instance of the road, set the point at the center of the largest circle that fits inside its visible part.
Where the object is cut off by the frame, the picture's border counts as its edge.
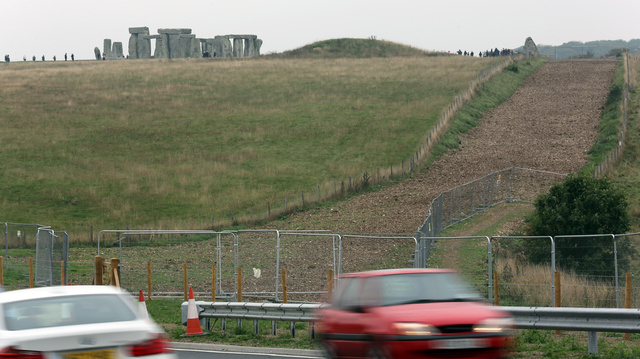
(212, 351)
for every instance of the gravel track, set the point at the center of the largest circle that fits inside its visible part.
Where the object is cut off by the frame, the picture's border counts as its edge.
(548, 124)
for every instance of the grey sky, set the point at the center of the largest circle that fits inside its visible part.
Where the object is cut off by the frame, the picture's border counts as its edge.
(53, 27)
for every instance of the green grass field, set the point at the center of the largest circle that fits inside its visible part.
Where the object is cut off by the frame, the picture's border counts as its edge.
(191, 143)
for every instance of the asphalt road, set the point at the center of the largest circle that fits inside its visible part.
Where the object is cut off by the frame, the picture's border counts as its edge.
(209, 351)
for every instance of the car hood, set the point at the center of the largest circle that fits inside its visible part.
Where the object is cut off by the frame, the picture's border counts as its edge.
(442, 313)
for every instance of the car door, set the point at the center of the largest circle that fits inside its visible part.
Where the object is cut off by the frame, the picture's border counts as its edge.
(344, 320)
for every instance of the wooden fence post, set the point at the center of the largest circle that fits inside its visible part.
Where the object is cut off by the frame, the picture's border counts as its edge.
(496, 289)
(558, 293)
(98, 271)
(30, 272)
(284, 285)
(627, 299)
(330, 286)
(149, 287)
(114, 273)
(239, 284)
(213, 283)
(184, 282)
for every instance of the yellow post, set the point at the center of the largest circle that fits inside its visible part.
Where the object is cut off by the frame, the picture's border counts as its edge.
(30, 272)
(627, 298)
(558, 293)
(98, 272)
(239, 284)
(284, 285)
(213, 283)
(496, 289)
(62, 278)
(149, 290)
(184, 282)
(330, 286)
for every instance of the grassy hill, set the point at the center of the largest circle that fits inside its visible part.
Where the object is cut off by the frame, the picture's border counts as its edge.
(354, 48)
(195, 143)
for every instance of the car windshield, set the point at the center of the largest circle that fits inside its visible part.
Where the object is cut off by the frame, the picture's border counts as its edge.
(408, 288)
(68, 310)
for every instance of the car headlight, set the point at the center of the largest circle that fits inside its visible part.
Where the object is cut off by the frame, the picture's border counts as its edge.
(494, 325)
(415, 329)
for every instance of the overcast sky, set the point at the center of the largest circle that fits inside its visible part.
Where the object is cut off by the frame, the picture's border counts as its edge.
(53, 27)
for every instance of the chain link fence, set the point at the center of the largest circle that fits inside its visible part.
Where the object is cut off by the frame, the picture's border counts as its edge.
(32, 240)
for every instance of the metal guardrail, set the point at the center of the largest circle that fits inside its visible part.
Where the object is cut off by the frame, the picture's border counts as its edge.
(591, 320)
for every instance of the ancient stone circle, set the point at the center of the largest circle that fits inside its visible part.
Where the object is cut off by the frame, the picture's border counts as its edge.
(179, 44)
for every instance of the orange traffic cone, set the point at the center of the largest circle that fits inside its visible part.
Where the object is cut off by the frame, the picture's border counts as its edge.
(142, 306)
(193, 322)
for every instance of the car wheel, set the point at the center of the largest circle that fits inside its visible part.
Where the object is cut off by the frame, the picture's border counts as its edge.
(327, 351)
(378, 351)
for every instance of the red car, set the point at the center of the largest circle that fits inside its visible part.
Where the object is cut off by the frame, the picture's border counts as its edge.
(411, 313)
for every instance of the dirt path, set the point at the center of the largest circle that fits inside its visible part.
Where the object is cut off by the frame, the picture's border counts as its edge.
(548, 124)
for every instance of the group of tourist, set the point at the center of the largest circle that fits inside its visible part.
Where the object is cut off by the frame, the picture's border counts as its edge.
(488, 53)
(7, 58)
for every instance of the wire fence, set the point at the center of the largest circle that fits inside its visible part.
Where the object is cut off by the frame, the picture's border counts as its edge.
(263, 265)
(509, 185)
(613, 157)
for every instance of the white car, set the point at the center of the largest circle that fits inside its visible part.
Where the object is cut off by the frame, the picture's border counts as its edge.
(77, 322)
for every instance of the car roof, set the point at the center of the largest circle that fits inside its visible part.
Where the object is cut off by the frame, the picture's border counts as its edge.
(382, 272)
(57, 291)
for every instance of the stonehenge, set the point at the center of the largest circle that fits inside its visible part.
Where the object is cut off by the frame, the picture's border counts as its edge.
(181, 43)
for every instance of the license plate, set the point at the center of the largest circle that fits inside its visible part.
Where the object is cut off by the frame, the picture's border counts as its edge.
(95, 354)
(466, 343)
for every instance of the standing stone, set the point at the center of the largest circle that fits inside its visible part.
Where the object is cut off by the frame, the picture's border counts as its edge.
(237, 47)
(107, 48)
(257, 45)
(117, 50)
(530, 48)
(133, 46)
(187, 41)
(96, 52)
(162, 47)
(193, 45)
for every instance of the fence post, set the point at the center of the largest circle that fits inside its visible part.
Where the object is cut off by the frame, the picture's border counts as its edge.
(496, 289)
(149, 291)
(558, 294)
(1, 271)
(62, 278)
(98, 271)
(330, 286)
(213, 283)
(284, 285)
(30, 272)
(627, 299)
(114, 272)
(184, 282)
(239, 284)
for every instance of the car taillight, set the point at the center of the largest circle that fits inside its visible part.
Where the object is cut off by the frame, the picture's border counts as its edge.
(155, 345)
(11, 352)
